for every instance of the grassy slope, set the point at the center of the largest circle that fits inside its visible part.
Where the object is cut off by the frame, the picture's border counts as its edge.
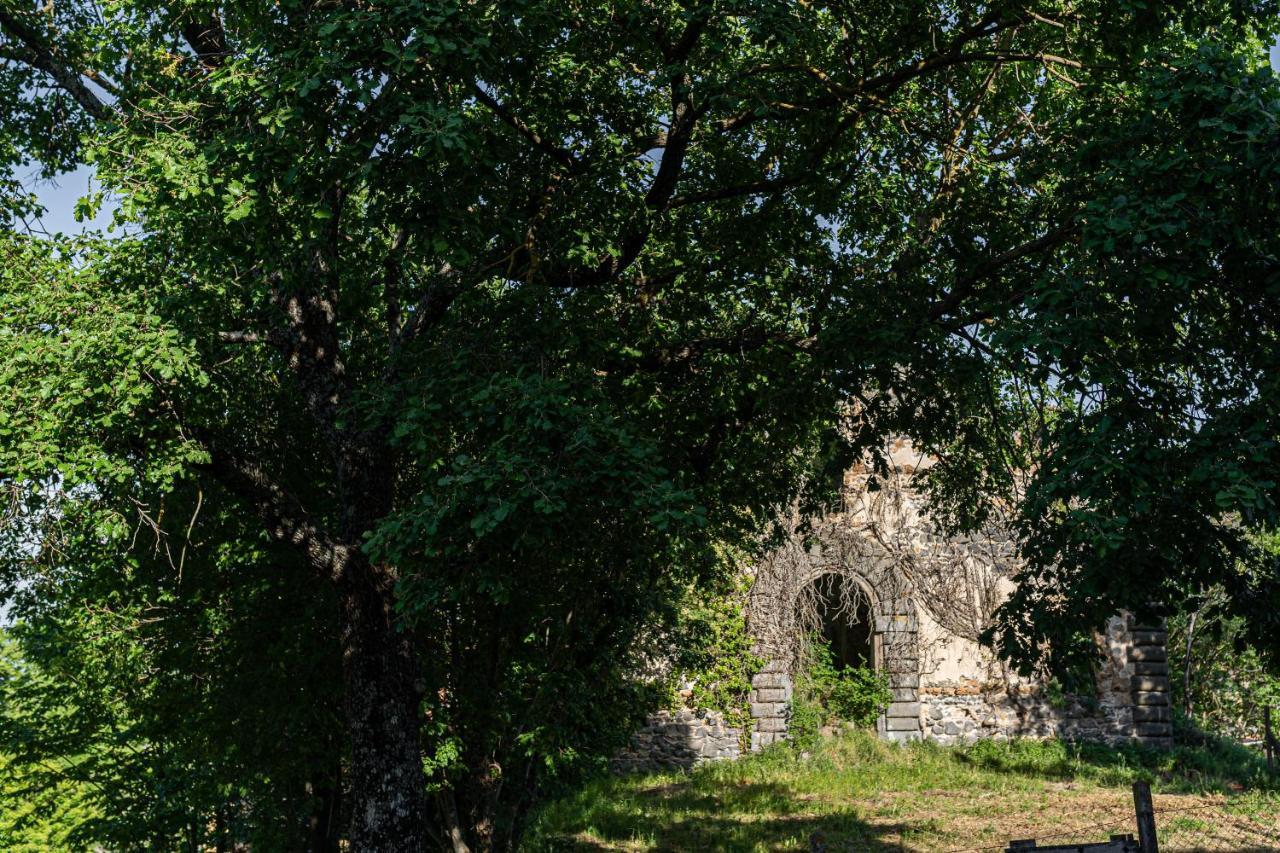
(859, 793)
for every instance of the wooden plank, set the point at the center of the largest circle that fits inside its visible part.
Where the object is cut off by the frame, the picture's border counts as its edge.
(1117, 844)
(1146, 815)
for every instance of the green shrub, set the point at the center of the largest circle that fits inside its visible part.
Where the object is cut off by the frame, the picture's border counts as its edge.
(714, 652)
(827, 693)
(807, 718)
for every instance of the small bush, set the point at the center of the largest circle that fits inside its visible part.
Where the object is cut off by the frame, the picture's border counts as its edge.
(715, 658)
(827, 693)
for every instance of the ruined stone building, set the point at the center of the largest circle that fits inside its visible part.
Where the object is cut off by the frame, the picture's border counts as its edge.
(888, 590)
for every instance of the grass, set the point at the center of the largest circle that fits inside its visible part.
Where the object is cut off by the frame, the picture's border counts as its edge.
(859, 793)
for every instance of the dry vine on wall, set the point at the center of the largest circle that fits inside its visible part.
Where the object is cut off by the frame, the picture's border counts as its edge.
(881, 537)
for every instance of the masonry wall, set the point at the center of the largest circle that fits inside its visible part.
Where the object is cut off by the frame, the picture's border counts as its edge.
(930, 596)
(1130, 702)
(679, 740)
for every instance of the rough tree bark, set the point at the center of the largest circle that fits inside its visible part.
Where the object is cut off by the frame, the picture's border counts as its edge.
(382, 698)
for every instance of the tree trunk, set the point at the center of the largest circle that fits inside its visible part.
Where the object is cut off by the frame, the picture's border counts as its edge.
(380, 679)
(1187, 704)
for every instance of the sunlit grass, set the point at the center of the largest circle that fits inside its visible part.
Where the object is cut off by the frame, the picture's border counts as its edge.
(860, 793)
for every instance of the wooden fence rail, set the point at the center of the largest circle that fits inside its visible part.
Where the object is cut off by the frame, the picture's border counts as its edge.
(1144, 816)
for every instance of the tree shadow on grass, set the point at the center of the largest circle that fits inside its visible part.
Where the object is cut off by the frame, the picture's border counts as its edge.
(1208, 764)
(743, 817)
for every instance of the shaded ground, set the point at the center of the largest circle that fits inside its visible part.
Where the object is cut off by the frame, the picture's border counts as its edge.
(859, 794)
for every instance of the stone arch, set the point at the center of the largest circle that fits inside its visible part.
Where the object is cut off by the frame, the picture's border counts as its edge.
(843, 612)
(782, 576)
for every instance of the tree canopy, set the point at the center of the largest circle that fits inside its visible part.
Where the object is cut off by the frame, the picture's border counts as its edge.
(439, 345)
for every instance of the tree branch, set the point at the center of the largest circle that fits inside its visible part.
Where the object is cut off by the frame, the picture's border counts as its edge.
(431, 308)
(683, 119)
(965, 287)
(286, 520)
(209, 41)
(780, 183)
(43, 57)
(391, 276)
(555, 152)
(749, 340)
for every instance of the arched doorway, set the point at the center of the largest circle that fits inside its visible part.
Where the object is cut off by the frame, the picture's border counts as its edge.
(843, 613)
(865, 614)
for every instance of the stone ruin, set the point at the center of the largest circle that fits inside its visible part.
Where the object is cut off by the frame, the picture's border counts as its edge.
(889, 591)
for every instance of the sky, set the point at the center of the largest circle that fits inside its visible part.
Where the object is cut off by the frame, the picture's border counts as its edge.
(59, 196)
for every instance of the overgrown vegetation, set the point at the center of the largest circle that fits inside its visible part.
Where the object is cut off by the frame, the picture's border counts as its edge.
(862, 793)
(441, 345)
(828, 694)
(1223, 680)
(712, 657)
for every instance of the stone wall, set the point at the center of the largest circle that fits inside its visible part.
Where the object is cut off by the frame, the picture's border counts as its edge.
(931, 596)
(770, 705)
(1149, 686)
(1131, 701)
(679, 740)
(967, 713)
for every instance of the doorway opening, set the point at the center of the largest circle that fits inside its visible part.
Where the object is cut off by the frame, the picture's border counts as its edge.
(843, 613)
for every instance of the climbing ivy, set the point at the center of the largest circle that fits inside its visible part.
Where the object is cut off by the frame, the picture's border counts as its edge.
(716, 657)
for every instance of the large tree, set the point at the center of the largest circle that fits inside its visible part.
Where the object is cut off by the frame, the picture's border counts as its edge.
(501, 317)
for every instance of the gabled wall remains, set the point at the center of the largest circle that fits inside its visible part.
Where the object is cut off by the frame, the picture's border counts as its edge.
(931, 597)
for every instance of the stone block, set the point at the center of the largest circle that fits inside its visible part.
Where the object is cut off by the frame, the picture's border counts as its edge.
(769, 679)
(1149, 638)
(902, 724)
(904, 709)
(771, 694)
(897, 623)
(1148, 654)
(904, 679)
(894, 663)
(905, 694)
(1151, 714)
(1151, 668)
(759, 740)
(1145, 698)
(1149, 683)
(895, 606)
(1153, 730)
(771, 724)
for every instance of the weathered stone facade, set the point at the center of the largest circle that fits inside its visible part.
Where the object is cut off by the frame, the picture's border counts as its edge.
(924, 599)
(929, 597)
(672, 741)
(1126, 705)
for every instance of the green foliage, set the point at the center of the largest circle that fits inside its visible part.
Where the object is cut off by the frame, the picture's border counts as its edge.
(1221, 682)
(856, 789)
(46, 807)
(1210, 765)
(490, 324)
(828, 694)
(714, 659)
(1157, 462)
(197, 703)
